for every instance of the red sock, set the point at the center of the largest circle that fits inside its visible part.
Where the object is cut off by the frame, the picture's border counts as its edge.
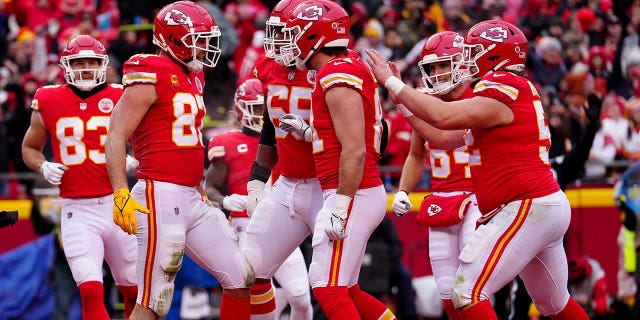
(572, 311)
(262, 299)
(369, 307)
(92, 299)
(450, 309)
(480, 311)
(237, 308)
(335, 303)
(129, 295)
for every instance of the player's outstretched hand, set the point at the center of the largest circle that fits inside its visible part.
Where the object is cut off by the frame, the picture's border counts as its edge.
(295, 123)
(338, 220)
(255, 193)
(235, 202)
(401, 203)
(380, 68)
(53, 171)
(131, 163)
(124, 210)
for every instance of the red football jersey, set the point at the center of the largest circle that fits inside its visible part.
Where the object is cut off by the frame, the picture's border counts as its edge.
(238, 151)
(78, 129)
(353, 73)
(288, 91)
(450, 169)
(511, 162)
(168, 140)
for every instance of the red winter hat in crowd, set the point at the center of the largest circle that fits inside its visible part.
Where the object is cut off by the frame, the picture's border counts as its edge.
(586, 18)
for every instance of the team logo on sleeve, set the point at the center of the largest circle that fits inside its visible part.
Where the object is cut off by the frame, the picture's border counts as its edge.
(177, 17)
(495, 34)
(105, 105)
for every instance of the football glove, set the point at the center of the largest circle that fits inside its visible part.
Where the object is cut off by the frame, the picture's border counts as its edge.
(255, 193)
(53, 172)
(630, 220)
(235, 202)
(294, 123)
(124, 211)
(338, 228)
(131, 163)
(401, 203)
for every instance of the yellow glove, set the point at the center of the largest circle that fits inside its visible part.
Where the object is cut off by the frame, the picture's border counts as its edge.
(124, 210)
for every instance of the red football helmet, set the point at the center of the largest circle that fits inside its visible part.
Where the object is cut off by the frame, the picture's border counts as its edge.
(84, 47)
(311, 26)
(494, 45)
(186, 30)
(249, 102)
(442, 47)
(274, 37)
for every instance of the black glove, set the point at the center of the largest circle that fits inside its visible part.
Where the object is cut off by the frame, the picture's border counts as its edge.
(630, 220)
(593, 111)
(8, 218)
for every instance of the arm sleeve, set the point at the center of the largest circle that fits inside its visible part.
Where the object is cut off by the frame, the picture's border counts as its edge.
(268, 133)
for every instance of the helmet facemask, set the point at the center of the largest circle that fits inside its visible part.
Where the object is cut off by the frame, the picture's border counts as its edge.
(75, 77)
(252, 112)
(275, 39)
(444, 82)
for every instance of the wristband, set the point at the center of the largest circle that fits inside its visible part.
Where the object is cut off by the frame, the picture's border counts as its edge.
(405, 112)
(394, 85)
(342, 202)
(259, 172)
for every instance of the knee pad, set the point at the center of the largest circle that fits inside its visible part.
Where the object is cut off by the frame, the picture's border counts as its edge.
(253, 253)
(296, 287)
(162, 302)
(302, 301)
(445, 285)
(84, 269)
(171, 254)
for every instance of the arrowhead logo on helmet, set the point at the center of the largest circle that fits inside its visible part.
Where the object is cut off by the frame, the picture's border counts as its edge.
(176, 17)
(312, 13)
(496, 34)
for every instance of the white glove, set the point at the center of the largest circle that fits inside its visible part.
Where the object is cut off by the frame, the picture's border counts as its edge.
(52, 172)
(337, 230)
(235, 202)
(401, 204)
(294, 123)
(255, 193)
(131, 163)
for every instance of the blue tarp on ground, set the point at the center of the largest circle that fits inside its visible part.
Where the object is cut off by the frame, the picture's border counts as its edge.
(25, 292)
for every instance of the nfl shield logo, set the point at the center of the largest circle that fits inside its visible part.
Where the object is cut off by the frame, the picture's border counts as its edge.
(83, 106)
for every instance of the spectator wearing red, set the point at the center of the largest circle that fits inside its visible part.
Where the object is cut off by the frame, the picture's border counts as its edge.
(587, 285)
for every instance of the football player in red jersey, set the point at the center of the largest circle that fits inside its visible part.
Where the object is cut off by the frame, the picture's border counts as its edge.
(161, 113)
(347, 133)
(525, 214)
(231, 155)
(285, 216)
(75, 117)
(451, 211)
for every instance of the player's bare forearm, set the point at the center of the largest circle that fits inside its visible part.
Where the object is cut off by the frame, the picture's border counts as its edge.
(216, 180)
(443, 139)
(345, 105)
(351, 171)
(125, 118)
(116, 152)
(411, 174)
(33, 143)
(267, 156)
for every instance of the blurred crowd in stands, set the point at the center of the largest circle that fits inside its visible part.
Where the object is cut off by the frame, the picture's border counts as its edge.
(576, 47)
